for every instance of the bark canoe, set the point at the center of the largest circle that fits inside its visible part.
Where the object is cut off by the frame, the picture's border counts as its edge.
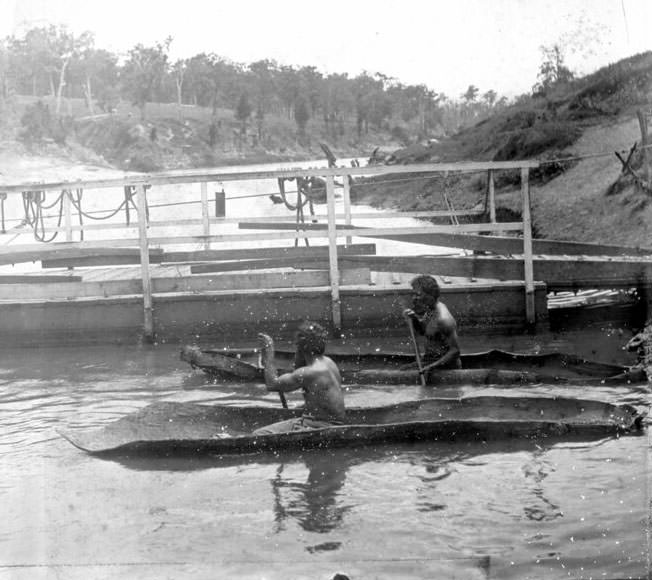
(495, 367)
(170, 428)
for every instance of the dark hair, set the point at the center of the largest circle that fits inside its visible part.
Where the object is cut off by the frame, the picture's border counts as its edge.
(426, 284)
(312, 337)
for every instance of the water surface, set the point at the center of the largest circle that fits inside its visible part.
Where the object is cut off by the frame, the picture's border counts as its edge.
(512, 509)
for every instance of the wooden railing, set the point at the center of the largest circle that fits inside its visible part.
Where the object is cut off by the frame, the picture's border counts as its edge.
(331, 230)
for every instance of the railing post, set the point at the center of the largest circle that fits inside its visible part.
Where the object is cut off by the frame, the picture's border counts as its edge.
(528, 265)
(144, 264)
(332, 257)
(492, 197)
(206, 224)
(346, 194)
(67, 214)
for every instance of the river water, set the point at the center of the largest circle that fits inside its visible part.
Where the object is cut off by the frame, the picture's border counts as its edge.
(511, 509)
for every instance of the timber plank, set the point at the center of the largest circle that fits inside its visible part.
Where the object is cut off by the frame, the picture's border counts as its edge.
(198, 176)
(56, 256)
(486, 243)
(556, 273)
(37, 279)
(274, 252)
(193, 284)
(264, 264)
(117, 259)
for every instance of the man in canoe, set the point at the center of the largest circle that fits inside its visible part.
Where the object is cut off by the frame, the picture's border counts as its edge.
(432, 319)
(317, 375)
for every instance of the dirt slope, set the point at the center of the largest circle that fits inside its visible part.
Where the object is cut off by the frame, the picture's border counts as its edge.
(575, 205)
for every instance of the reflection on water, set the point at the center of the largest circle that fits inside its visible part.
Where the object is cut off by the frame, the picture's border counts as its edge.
(313, 502)
(539, 508)
(517, 508)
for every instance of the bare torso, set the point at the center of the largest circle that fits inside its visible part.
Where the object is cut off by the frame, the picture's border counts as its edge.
(441, 335)
(322, 390)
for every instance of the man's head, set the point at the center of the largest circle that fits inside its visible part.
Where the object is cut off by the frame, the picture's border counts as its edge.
(311, 338)
(425, 293)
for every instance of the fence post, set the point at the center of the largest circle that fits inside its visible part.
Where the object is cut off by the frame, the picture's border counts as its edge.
(346, 195)
(642, 123)
(67, 214)
(332, 257)
(206, 224)
(528, 265)
(144, 264)
(492, 197)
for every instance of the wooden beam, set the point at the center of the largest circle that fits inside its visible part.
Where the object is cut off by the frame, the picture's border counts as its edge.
(290, 235)
(491, 196)
(73, 288)
(266, 253)
(346, 197)
(115, 259)
(264, 264)
(206, 225)
(528, 267)
(172, 177)
(57, 257)
(469, 241)
(38, 279)
(558, 273)
(148, 309)
(336, 307)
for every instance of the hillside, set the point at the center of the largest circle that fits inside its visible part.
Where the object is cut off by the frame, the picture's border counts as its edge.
(579, 193)
(175, 137)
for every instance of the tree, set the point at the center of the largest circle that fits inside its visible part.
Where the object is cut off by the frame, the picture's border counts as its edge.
(95, 71)
(301, 114)
(44, 55)
(471, 94)
(490, 98)
(553, 70)
(143, 73)
(179, 69)
(243, 112)
(263, 72)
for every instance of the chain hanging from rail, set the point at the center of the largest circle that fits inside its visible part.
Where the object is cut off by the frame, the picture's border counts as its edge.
(448, 204)
(33, 206)
(306, 191)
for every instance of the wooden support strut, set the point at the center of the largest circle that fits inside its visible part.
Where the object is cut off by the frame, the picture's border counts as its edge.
(528, 265)
(206, 225)
(346, 195)
(148, 325)
(336, 311)
(491, 196)
(67, 213)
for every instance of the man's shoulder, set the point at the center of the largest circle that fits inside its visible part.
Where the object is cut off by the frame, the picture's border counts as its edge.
(442, 317)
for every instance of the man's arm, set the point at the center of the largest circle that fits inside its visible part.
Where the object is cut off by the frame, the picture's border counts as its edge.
(416, 322)
(284, 383)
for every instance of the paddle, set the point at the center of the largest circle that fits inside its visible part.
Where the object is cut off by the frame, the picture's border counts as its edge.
(417, 354)
(265, 361)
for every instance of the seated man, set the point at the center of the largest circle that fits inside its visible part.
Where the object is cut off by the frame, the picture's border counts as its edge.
(315, 373)
(432, 319)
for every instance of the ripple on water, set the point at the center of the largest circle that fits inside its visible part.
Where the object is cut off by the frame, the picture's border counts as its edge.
(494, 502)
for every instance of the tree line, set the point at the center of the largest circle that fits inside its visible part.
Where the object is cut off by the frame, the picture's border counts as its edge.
(52, 61)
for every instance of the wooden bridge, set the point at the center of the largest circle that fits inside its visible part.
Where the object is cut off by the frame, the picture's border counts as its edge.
(103, 268)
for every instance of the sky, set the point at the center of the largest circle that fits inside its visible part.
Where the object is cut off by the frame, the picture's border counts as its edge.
(444, 44)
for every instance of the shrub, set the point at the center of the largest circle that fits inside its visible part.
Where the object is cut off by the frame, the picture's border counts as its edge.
(400, 134)
(536, 140)
(36, 123)
(39, 125)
